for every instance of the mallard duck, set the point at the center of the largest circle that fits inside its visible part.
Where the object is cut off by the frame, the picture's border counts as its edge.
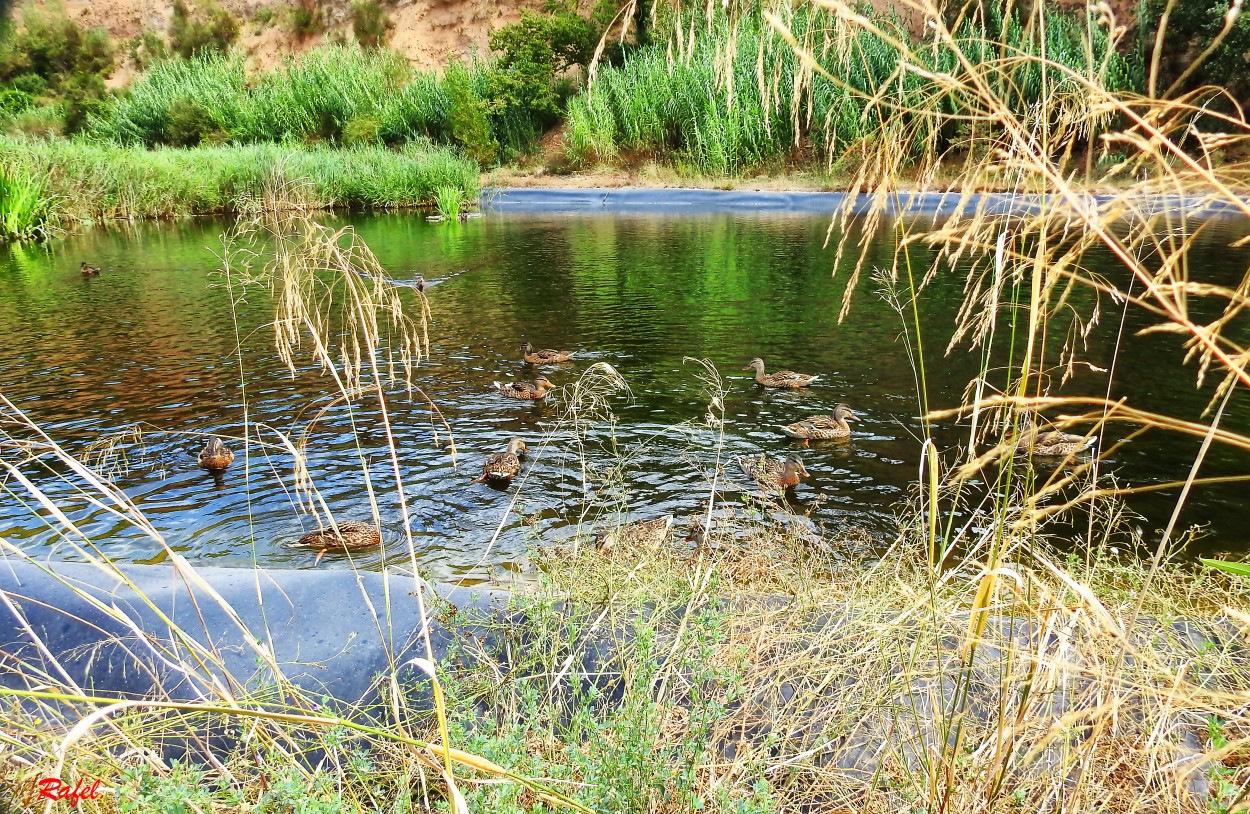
(216, 456)
(1050, 443)
(544, 357)
(88, 271)
(503, 465)
(638, 533)
(525, 390)
(419, 283)
(346, 536)
(823, 427)
(782, 378)
(774, 475)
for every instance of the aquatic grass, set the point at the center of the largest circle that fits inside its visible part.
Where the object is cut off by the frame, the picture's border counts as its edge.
(26, 206)
(450, 201)
(92, 182)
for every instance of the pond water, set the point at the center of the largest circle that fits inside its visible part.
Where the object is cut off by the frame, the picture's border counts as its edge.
(151, 342)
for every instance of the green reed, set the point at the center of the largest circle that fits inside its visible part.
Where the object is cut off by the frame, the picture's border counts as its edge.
(740, 96)
(90, 182)
(25, 206)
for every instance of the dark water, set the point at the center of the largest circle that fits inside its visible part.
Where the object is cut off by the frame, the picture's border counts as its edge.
(151, 342)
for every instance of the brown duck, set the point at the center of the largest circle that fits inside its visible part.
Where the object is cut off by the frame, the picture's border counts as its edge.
(347, 536)
(503, 466)
(1050, 443)
(216, 456)
(544, 357)
(525, 390)
(772, 474)
(782, 378)
(88, 271)
(823, 427)
(638, 533)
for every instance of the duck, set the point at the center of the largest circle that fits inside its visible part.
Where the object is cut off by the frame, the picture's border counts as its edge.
(1050, 443)
(216, 456)
(502, 466)
(525, 390)
(823, 427)
(638, 533)
(346, 536)
(772, 474)
(543, 357)
(419, 283)
(782, 378)
(88, 271)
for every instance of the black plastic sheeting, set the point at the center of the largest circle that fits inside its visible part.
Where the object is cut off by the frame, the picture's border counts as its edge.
(331, 632)
(697, 201)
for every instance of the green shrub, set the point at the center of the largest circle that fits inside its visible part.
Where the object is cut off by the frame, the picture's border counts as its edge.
(193, 35)
(190, 123)
(533, 50)
(370, 23)
(31, 84)
(307, 18)
(14, 101)
(83, 99)
(36, 122)
(1192, 26)
(361, 131)
(147, 49)
(469, 123)
(53, 47)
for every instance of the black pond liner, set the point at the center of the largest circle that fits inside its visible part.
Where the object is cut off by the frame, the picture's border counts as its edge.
(700, 201)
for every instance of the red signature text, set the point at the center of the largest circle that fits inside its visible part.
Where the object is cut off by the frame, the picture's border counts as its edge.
(51, 788)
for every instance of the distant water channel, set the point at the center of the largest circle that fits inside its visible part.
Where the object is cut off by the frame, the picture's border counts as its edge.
(151, 342)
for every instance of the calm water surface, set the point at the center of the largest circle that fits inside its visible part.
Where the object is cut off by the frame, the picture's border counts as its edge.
(152, 342)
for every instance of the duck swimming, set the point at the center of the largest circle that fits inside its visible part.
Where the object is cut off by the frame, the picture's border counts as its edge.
(525, 390)
(823, 427)
(782, 378)
(543, 357)
(216, 456)
(347, 536)
(88, 271)
(772, 474)
(503, 466)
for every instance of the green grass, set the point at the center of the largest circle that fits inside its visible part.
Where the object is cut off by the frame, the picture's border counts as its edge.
(90, 182)
(25, 206)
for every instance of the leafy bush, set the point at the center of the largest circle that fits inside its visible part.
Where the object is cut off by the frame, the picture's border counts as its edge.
(469, 123)
(84, 97)
(533, 50)
(54, 48)
(361, 131)
(307, 18)
(190, 35)
(190, 123)
(147, 49)
(1192, 27)
(370, 23)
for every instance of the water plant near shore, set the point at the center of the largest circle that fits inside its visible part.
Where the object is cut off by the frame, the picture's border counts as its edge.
(87, 182)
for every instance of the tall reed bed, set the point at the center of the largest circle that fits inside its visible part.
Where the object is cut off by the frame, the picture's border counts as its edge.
(726, 92)
(88, 182)
(338, 94)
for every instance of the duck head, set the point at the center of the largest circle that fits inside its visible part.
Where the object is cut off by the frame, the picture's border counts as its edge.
(756, 364)
(516, 445)
(794, 463)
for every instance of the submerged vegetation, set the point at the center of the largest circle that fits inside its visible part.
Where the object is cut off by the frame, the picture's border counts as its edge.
(971, 667)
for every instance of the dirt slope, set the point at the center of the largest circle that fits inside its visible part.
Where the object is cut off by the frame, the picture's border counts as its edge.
(428, 32)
